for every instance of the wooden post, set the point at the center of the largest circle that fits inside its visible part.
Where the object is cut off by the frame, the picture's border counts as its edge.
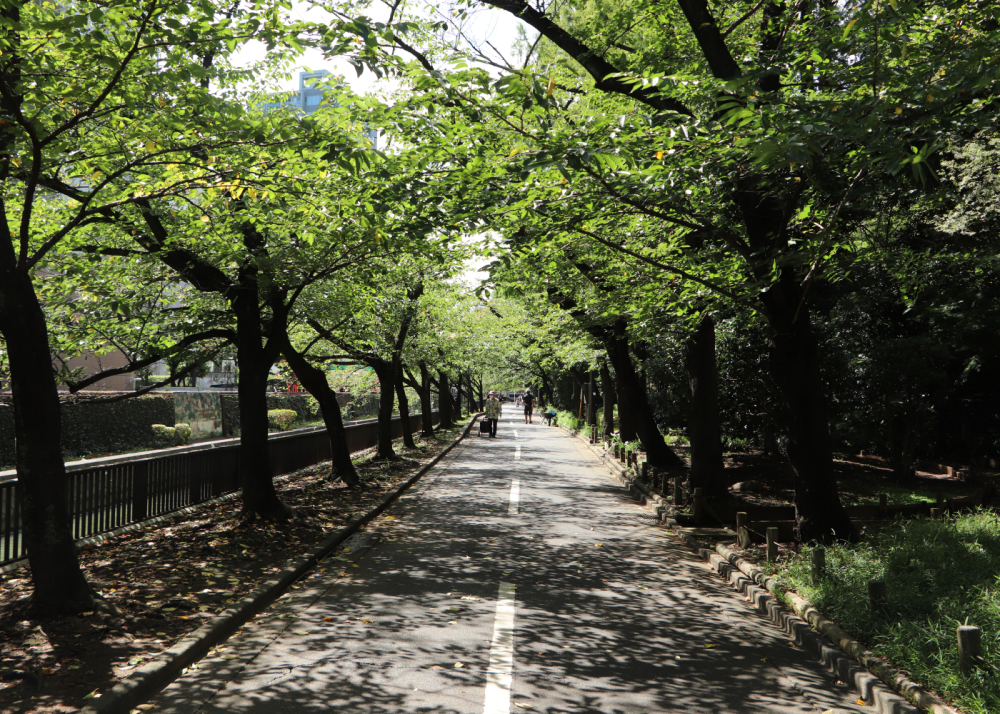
(645, 470)
(818, 563)
(772, 543)
(876, 595)
(698, 502)
(970, 647)
(742, 532)
(883, 505)
(663, 483)
(936, 512)
(678, 496)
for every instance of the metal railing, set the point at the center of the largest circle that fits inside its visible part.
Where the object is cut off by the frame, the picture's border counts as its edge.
(116, 491)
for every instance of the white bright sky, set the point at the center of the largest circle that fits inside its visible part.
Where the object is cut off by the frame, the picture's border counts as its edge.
(487, 24)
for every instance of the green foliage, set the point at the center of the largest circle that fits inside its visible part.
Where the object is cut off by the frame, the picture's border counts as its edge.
(183, 433)
(281, 419)
(93, 427)
(939, 574)
(165, 436)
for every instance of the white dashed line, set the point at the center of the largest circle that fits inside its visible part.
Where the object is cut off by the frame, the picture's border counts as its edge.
(499, 673)
(517, 452)
(515, 497)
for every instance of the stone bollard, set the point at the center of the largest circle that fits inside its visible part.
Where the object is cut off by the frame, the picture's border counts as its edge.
(678, 490)
(645, 470)
(742, 530)
(936, 512)
(697, 505)
(876, 595)
(664, 479)
(970, 647)
(772, 543)
(818, 563)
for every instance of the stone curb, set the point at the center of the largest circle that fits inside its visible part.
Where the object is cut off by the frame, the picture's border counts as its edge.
(762, 590)
(154, 676)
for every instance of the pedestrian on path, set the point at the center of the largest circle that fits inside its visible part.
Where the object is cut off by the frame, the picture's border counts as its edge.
(529, 404)
(494, 410)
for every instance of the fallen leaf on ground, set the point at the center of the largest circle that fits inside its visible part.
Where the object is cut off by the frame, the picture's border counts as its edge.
(459, 665)
(708, 647)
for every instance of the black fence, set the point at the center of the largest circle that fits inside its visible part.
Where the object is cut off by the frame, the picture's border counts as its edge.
(105, 494)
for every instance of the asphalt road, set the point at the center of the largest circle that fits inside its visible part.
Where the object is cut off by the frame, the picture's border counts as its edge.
(516, 577)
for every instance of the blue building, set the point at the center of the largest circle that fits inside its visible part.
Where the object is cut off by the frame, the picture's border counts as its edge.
(309, 98)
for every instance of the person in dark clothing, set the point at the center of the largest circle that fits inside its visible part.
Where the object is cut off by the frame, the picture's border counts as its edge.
(529, 405)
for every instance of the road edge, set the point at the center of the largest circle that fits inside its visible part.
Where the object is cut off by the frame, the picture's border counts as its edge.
(168, 665)
(759, 590)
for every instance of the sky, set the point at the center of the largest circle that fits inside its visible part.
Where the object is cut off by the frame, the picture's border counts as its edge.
(487, 24)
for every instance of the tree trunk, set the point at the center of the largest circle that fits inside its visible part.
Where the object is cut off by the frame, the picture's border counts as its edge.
(794, 364)
(404, 409)
(386, 378)
(480, 405)
(59, 584)
(707, 471)
(444, 401)
(633, 401)
(470, 392)
(314, 380)
(257, 480)
(591, 411)
(626, 419)
(608, 388)
(458, 398)
(426, 427)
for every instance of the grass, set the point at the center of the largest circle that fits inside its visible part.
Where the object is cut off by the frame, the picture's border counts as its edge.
(939, 574)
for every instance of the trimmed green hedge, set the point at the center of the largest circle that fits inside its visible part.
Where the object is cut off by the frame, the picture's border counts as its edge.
(98, 428)
(304, 406)
(280, 419)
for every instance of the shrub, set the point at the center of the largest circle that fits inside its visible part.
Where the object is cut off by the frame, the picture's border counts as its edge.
(164, 436)
(939, 574)
(183, 433)
(281, 419)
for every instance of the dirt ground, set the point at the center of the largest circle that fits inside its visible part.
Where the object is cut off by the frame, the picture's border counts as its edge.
(859, 483)
(167, 580)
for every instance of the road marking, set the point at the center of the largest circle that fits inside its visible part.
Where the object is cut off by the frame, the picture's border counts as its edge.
(515, 496)
(499, 673)
(515, 433)
(517, 452)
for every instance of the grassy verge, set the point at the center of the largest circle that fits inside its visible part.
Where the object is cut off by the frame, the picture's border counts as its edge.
(939, 574)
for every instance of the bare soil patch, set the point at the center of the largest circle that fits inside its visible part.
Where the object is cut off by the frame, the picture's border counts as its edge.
(169, 579)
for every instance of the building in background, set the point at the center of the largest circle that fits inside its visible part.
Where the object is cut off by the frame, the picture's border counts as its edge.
(310, 98)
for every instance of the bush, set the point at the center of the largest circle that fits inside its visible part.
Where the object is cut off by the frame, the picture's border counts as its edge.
(281, 419)
(90, 428)
(939, 574)
(165, 436)
(183, 433)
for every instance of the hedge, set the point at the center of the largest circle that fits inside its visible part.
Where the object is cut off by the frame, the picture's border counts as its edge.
(97, 428)
(304, 406)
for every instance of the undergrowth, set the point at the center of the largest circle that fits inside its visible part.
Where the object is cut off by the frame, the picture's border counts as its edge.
(939, 574)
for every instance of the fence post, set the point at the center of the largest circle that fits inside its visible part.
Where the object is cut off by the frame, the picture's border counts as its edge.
(696, 508)
(876, 595)
(772, 543)
(818, 563)
(140, 490)
(645, 470)
(970, 647)
(936, 513)
(742, 532)
(664, 478)
(678, 496)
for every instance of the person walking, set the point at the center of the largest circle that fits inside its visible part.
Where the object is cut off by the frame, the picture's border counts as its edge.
(494, 410)
(529, 405)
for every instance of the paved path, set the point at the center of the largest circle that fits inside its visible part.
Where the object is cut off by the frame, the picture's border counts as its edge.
(516, 577)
